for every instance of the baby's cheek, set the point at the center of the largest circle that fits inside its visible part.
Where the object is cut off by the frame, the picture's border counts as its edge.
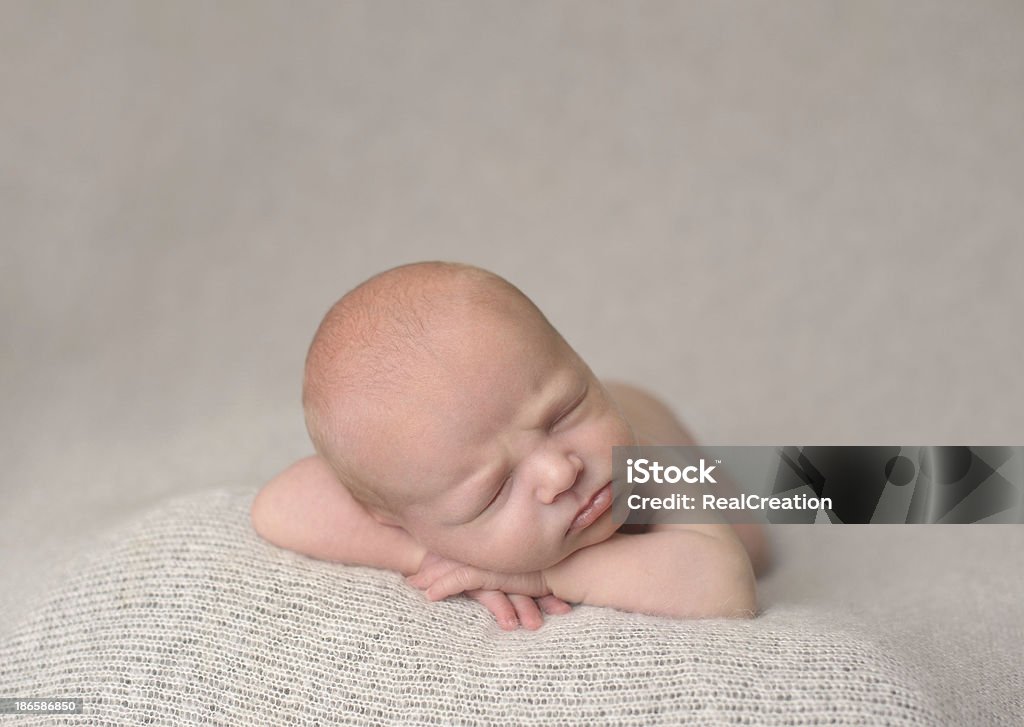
(603, 434)
(617, 433)
(482, 548)
(514, 550)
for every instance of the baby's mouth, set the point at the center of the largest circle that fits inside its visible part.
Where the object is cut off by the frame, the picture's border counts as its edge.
(593, 509)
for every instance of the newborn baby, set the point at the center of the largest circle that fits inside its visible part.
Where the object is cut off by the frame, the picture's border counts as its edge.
(462, 442)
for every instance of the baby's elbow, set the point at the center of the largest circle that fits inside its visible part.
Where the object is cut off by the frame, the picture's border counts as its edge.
(263, 516)
(739, 600)
(728, 588)
(737, 594)
(258, 514)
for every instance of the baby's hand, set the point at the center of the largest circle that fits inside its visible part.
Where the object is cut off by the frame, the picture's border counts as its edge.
(512, 609)
(510, 597)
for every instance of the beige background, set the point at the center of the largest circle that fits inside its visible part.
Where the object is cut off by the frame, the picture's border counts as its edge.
(799, 221)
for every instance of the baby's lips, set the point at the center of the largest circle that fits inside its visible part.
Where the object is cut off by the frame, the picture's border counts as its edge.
(599, 502)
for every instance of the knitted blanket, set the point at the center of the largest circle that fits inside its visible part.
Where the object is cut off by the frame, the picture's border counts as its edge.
(184, 616)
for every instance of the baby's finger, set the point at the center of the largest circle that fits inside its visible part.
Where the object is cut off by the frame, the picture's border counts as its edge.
(553, 605)
(414, 580)
(431, 572)
(498, 604)
(527, 611)
(419, 580)
(460, 580)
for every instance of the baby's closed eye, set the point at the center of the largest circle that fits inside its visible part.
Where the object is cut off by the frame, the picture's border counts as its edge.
(569, 411)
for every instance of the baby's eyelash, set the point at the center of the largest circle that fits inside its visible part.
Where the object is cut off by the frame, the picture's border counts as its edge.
(571, 408)
(497, 493)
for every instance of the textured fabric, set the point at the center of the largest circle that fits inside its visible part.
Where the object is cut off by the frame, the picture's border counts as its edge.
(185, 616)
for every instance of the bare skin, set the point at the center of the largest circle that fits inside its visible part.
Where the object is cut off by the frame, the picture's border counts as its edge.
(302, 509)
(307, 510)
(656, 424)
(497, 452)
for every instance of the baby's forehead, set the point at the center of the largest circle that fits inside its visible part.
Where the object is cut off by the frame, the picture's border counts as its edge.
(455, 430)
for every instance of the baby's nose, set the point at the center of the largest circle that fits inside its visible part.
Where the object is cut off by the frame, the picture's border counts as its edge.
(562, 473)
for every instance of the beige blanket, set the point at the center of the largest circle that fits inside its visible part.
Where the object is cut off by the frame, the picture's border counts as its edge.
(184, 616)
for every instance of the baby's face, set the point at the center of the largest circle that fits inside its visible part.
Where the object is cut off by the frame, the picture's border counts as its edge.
(505, 458)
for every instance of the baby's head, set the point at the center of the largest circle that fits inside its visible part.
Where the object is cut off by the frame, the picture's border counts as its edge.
(449, 406)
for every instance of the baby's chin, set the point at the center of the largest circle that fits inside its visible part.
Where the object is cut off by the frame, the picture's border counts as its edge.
(521, 562)
(599, 531)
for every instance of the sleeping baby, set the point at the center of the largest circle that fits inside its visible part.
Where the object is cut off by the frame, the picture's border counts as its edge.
(462, 442)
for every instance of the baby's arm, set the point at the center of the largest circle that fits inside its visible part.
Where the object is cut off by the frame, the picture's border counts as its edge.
(687, 571)
(307, 510)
